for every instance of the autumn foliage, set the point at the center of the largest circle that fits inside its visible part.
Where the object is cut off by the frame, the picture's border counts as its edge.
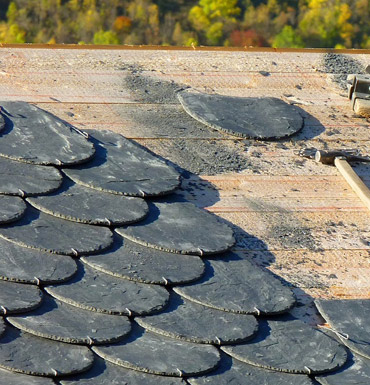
(243, 23)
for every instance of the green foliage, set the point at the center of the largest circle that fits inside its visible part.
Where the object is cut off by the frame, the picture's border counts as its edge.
(278, 23)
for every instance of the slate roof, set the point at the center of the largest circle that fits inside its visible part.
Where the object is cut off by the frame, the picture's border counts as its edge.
(157, 298)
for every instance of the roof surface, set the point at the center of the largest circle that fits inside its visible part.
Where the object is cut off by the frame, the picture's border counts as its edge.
(290, 216)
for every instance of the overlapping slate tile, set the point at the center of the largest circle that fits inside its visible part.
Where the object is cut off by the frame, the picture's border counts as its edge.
(24, 179)
(181, 227)
(21, 264)
(351, 318)
(289, 345)
(61, 322)
(142, 264)
(152, 353)
(18, 298)
(24, 353)
(96, 291)
(33, 135)
(11, 378)
(192, 322)
(48, 233)
(82, 204)
(105, 373)
(355, 372)
(121, 166)
(234, 284)
(235, 372)
(11, 209)
(258, 118)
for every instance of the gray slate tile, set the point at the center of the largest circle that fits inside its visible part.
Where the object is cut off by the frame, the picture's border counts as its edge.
(46, 233)
(24, 179)
(355, 372)
(96, 291)
(61, 322)
(289, 345)
(24, 265)
(123, 167)
(2, 326)
(106, 373)
(11, 209)
(11, 378)
(18, 298)
(152, 353)
(236, 285)
(351, 318)
(132, 261)
(33, 135)
(25, 353)
(82, 204)
(192, 322)
(257, 118)
(181, 228)
(235, 372)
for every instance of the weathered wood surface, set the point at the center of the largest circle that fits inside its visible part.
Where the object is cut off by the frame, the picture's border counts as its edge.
(297, 218)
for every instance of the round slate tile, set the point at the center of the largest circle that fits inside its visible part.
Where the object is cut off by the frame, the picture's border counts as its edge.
(24, 179)
(11, 209)
(35, 136)
(181, 228)
(152, 353)
(191, 322)
(61, 322)
(82, 204)
(257, 118)
(18, 298)
(142, 264)
(24, 353)
(121, 166)
(105, 373)
(239, 373)
(289, 345)
(12, 378)
(349, 317)
(21, 264)
(46, 233)
(355, 372)
(236, 285)
(96, 291)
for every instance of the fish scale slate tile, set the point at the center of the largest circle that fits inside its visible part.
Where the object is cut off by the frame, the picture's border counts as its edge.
(11, 209)
(96, 291)
(47, 233)
(151, 353)
(18, 297)
(139, 263)
(192, 322)
(25, 265)
(24, 353)
(259, 118)
(350, 318)
(106, 373)
(33, 135)
(123, 167)
(24, 179)
(11, 378)
(232, 371)
(289, 345)
(234, 284)
(61, 322)
(182, 228)
(82, 204)
(355, 372)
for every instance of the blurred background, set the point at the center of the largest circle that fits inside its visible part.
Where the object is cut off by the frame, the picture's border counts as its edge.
(243, 23)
